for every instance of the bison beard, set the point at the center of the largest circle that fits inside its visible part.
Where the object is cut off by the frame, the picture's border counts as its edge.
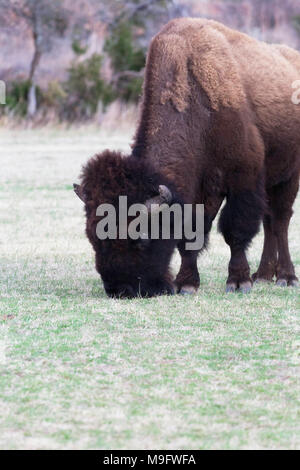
(217, 123)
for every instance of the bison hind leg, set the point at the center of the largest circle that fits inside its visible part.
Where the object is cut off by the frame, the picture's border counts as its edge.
(283, 197)
(239, 223)
(276, 260)
(268, 264)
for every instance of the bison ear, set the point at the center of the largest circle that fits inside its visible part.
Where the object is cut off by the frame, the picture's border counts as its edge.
(79, 192)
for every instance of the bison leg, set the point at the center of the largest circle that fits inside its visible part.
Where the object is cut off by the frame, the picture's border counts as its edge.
(239, 223)
(268, 263)
(187, 280)
(282, 201)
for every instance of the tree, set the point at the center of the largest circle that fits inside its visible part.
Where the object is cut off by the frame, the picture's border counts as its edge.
(115, 12)
(45, 20)
(130, 25)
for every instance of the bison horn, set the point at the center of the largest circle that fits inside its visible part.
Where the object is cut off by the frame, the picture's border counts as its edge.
(79, 192)
(164, 197)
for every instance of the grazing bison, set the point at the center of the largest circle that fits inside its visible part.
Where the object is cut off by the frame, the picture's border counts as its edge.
(217, 122)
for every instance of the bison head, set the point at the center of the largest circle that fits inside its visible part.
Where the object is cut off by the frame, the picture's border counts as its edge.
(128, 267)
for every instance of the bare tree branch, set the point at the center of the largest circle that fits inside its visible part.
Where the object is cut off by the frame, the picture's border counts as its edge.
(129, 11)
(127, 74)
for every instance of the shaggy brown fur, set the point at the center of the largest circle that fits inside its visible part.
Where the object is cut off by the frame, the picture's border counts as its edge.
(217, 122)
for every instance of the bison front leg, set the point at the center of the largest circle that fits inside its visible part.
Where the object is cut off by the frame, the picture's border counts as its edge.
(239, 223)
(187, 280)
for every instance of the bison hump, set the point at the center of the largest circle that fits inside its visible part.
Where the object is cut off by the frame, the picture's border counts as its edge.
(192, 46)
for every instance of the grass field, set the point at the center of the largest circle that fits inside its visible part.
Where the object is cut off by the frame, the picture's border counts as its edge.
(79, 370)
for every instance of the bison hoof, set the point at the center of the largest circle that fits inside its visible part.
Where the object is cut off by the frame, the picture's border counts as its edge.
(243, 288)
(281, 283)
(231, 287)
(262, 280)
(290, 282)
(262, 277)
(188, 290)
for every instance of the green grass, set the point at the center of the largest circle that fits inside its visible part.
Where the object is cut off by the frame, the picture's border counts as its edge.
(79, 370)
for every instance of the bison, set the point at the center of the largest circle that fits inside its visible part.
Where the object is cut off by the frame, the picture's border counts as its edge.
(217, 122)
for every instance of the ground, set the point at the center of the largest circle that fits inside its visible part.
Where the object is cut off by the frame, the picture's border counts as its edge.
(80, 370)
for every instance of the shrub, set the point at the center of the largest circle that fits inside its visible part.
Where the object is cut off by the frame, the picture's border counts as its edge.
(84, 89)
(124, 55)
(17, 96)
(54, 95)
(77, 48)
(130, 89)
(296, 23)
